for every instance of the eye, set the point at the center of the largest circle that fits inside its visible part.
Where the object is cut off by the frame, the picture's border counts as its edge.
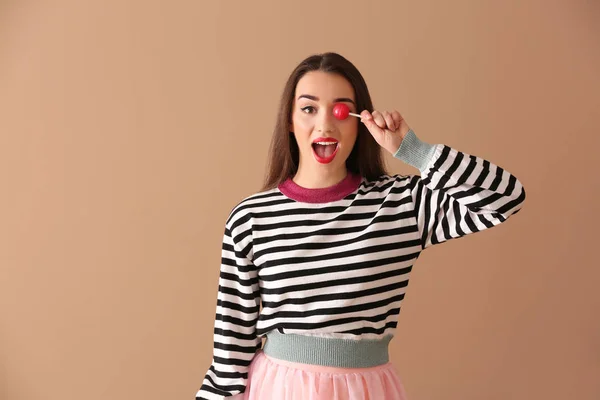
(308, 109)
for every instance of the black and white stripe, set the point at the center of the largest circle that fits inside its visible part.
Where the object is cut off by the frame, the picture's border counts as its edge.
(341, 269)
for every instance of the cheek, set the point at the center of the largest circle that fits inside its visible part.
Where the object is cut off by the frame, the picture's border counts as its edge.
(301, 124)
(349, 133)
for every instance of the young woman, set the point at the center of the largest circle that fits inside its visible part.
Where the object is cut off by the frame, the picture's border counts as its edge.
(318, 261)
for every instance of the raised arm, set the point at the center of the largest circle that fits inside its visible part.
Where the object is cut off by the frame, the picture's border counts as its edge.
(457, 194)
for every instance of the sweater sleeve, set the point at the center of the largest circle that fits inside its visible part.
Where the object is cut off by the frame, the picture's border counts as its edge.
(457, 194)
(235, 339)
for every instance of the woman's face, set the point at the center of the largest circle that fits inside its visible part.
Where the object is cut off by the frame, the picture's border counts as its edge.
(314, 125)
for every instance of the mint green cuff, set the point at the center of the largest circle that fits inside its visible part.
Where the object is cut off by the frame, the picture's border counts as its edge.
(415, 152)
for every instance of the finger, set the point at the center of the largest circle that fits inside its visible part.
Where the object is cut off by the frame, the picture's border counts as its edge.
(397, 118)
(379, 120)
(367, 119)
(371, 125)
(389, 120)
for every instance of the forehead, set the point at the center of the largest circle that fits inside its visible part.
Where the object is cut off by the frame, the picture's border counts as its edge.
(324, 85)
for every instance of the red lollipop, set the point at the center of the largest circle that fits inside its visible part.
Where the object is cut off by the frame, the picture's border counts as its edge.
(341, 111)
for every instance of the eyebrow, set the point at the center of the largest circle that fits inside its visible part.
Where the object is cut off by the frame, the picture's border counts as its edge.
(338, 100)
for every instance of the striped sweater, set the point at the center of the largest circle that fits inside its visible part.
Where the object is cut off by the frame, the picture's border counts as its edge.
(336, 262)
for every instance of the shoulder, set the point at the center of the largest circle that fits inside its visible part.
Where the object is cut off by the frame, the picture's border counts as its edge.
(253, 203)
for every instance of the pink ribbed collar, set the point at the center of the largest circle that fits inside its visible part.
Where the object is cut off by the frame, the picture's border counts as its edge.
(321, 195)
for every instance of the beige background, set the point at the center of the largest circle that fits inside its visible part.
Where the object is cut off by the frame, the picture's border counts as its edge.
(128, 130)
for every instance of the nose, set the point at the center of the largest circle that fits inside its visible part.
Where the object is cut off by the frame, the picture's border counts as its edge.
(326, 122)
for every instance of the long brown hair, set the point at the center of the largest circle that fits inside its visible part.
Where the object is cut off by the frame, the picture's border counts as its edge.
(365, 158)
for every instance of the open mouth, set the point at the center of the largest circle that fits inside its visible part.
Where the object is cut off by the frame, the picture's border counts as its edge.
(325, 150)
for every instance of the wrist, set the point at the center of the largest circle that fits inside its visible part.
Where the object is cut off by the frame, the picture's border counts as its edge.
(414, 151)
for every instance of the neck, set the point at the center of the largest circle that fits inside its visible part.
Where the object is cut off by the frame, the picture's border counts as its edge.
(319, 179)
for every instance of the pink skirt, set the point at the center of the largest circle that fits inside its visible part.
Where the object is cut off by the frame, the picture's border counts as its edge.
(273, 379)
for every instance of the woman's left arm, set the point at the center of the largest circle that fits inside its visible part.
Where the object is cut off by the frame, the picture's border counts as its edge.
(457, 194)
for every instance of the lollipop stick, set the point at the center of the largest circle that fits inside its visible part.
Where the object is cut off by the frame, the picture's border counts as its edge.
(355, 115)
